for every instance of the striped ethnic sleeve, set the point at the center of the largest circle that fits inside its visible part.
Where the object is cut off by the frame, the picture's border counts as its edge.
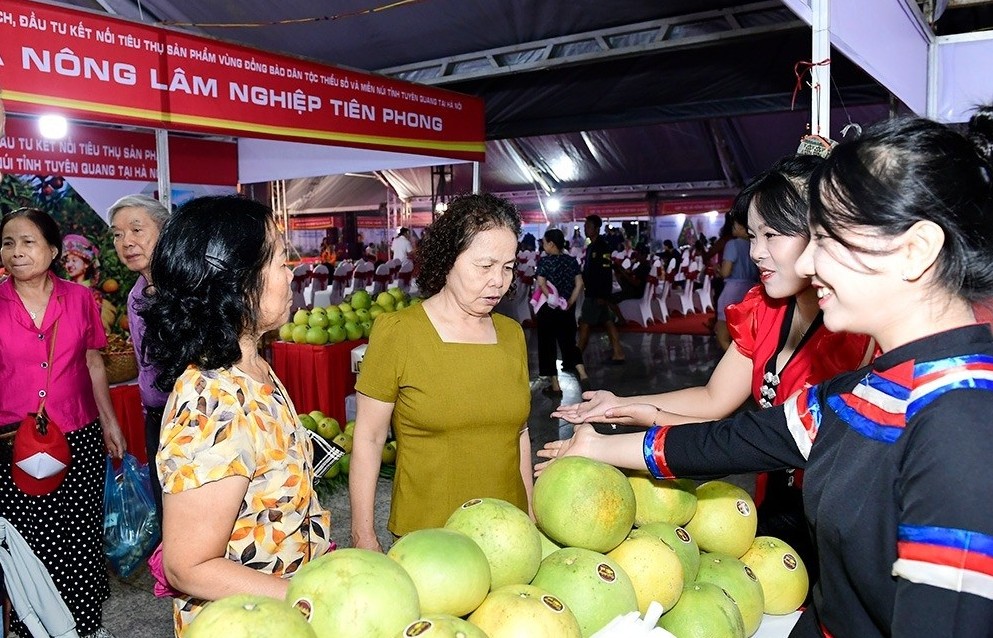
(761, 441)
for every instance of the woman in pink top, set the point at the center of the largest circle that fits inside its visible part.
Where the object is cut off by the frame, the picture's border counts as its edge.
(64, 527)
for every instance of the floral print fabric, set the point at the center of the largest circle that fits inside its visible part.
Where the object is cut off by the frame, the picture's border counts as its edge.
(222, 423)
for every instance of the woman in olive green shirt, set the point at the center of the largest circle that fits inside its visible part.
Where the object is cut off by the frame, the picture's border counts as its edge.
(450, 377)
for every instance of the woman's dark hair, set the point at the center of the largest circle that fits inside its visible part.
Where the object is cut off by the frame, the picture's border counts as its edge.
(209, 271)
(557, 237)
(907, 170)
(449, 235)
(49, 229)
(780, 196)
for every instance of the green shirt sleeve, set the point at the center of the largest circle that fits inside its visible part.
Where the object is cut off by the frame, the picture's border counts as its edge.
(379, 377)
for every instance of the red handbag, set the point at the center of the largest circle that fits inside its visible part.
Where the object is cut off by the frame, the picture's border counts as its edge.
(41, 455)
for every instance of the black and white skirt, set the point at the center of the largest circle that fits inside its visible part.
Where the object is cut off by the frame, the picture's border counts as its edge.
(65, 528)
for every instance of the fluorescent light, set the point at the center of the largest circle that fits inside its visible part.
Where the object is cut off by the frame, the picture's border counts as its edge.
(440, 207)
(564, 168)
(553, 204)
(53, 127)
(712, 214)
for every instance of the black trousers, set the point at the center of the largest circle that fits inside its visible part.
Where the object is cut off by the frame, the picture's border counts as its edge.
(153, 429)
(556, 328)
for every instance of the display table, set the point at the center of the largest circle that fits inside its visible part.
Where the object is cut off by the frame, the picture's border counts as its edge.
(131, 417)
(317, 377)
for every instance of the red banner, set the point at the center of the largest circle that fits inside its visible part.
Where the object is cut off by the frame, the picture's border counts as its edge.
(611, 209)
(94, 66)
(104, 153)
(691, 205)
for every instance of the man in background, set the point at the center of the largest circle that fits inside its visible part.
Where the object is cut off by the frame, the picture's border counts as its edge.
(598, 282)
(402, 247)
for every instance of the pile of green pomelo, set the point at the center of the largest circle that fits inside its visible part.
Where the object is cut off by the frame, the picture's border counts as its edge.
(348, 321)
(329, 428)
(606, 544)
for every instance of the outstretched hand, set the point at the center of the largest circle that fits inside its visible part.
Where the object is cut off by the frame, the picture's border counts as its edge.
(582, 443)
(592, 408)
(643, 414)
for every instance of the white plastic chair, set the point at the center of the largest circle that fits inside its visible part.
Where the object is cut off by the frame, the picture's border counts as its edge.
(301, 277)
(405, 275)
(705, 295)
(660, 301)
(361, 276)
(639, 310)
(318, 282)
(339, 280)
(380, 279)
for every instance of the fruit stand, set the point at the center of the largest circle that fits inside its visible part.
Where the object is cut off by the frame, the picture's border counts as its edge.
(317, 377)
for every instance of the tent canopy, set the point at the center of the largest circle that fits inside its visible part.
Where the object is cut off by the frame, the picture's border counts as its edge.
(585, 97)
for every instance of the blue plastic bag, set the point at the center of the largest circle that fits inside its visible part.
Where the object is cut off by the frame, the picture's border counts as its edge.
(130, 525)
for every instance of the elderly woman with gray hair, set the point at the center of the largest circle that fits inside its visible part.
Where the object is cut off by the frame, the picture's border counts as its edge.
(135, 221)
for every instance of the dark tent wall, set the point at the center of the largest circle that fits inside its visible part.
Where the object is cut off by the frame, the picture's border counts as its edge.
(586, 98)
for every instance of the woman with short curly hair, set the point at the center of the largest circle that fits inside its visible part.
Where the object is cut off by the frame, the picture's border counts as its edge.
(450, 377)
(240, 512)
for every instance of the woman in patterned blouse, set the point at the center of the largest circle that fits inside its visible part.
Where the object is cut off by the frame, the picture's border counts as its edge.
(240, 512)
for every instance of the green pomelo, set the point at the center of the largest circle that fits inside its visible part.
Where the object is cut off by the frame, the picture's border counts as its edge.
(299, 333)
(318, 320)
(781, 573)
(361, 300)
(662, 501)
(441, 626)
(317, 336)
(354, 593)
(286, 331)
(704, 611)
(593, 586)
(386, 300)
(301, 317)
(725, 519)
(654, 570)
(739, 581)
(397, 293)
(336, 334)
(680, 541)
(448, 568)
(579, 502)
(353, 330)
(334, 315)
(505, 534)
(308, 422)
(328, 427)
(525, 611)
(249, 616)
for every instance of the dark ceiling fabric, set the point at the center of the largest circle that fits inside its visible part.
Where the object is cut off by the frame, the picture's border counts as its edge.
(653, 118)
(690, 84)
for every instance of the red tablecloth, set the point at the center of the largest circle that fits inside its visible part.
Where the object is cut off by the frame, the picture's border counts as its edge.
(317, 377)
(131, 418)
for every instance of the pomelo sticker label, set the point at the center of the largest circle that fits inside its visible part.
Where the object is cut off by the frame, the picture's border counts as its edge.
(553, 603)
(606, 572)
(305, 607)
(743, 507)
(474, 501)
(789, 561)
(417, 628)
(682, 535)
(751, 574)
